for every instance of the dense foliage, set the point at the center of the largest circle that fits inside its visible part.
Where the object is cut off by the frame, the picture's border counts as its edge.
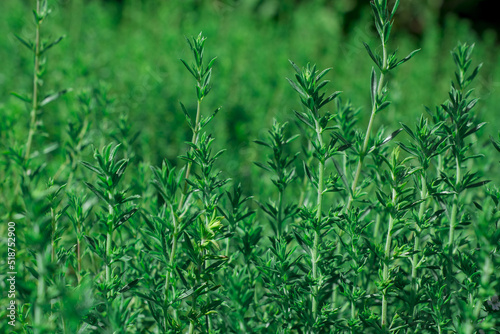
(212, 195)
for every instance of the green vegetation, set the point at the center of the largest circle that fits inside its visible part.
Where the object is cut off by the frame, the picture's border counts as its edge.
(154, 185)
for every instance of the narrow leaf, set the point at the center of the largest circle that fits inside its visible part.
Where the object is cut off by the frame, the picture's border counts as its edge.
(405, 59)
(21, 97)
(374, 86)
(372, 56)
(29, 45)
(91, 167)
(54, 97)
(124, 217)
(391, 137)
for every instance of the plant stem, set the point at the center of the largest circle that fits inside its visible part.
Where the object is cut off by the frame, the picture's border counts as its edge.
(386, 259)
(79, 258)
(53, 235)
(36, 69)
(108, 251)
(376, 227)
(40, 300)
(353, 306)
(171, 260)
(416, 234)
(108, 243)
(421, 211)
(321, 171)
(194, 140)
(453, 222)
(454, 209)
(368, 130)
(280, 209)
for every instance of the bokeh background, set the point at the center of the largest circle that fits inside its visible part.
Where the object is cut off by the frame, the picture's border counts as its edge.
(126, 54)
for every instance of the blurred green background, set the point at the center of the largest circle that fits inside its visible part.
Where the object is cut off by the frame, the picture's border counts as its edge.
(127, 52)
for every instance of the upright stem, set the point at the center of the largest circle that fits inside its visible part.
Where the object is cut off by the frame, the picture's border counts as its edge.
(34, 107)
(171, 261)
(201, 266)
(194, 140)
(353, 306)
(40, 295)
(368, 132)
(280, 215)
(321, 171)
(454, 210)
(305, 182)
(416, 246)
(79, 258)
(421, 211)
(376, 227)
(53, 235)
(453, 222)
(108, 243)
(386, 259)
(108, 251)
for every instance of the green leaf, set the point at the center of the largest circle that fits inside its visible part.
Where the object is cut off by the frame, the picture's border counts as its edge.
(124, 217)
(111, 153)
(210, 65)
(129, 285)
(496, 144)
(391, 137)
(261, 165)
(27, 44)
(21, 97)
(303, 119)
(53, 97)
(329, 99)
(383, 106)
(297, 88)
(374, 87)
(130, 198)
(32, 271)
(120, 169)
(409, 131)
(92, 243)
(387, 31)
(309, 174)
(297, 69)
(477, 184)
(149, 298)
(405, 59)
(92, 168)
(96, 192)
(260, 142)
(188, 117)
(57, 41)
(372, 56)
(186, 294)
(474, 129)
(394, 9)
(322, 74)
(215, 266)
(189, 69)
